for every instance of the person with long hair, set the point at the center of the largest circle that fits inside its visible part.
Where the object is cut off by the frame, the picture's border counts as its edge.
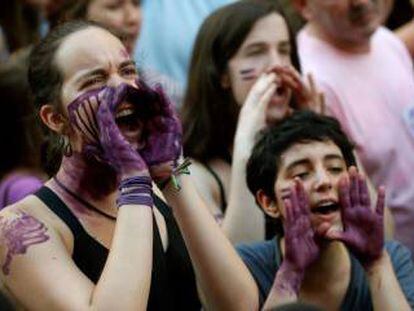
(241, 79)
(96, 236)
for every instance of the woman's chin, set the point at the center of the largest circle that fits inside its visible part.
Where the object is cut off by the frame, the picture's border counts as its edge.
(276, 114)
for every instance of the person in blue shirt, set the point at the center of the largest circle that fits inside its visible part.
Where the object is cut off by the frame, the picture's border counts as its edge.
(329, 249)
(168, 32)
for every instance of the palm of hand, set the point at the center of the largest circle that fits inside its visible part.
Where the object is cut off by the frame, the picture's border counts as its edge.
(301, 249)
(116, 149)
(363, 227)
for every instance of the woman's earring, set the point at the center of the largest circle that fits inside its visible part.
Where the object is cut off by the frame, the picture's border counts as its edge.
(66, 146)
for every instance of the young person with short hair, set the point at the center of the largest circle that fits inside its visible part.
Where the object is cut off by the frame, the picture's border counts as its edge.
(330, 248)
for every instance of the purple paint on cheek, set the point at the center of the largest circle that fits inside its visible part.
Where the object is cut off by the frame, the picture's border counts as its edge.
(248, 74)
(20, 233)
(82, 114)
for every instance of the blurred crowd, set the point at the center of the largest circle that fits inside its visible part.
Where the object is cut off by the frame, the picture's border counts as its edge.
(297, 117)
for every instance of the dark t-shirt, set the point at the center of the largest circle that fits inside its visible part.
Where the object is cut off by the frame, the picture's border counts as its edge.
(264, 258)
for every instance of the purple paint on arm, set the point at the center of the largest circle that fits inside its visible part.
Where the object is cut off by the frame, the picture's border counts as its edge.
(20, 233)
(288, 281)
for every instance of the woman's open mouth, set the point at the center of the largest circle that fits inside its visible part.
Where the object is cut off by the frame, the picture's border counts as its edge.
(328, 211)
(129, 123)
(325, 208)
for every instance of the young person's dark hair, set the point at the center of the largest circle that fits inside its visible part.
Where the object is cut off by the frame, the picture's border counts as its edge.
(300, 127)
(210, 112)
(20, 132)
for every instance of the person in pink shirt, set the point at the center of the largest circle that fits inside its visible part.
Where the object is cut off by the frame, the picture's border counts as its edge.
(366, 74)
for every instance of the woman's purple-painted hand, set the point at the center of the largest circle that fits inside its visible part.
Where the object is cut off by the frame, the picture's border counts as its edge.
(363, 231)
(163, 138)
(117, 151)
(82, 116)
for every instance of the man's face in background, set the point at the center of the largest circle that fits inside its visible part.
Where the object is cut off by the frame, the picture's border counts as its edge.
(349, 22)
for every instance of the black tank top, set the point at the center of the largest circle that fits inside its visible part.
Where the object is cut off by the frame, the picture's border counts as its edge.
(223, 201)
(173, 284)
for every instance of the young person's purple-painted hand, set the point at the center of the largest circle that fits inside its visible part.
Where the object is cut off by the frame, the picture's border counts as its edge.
(162, 137)
(363, 231)
(301, 249)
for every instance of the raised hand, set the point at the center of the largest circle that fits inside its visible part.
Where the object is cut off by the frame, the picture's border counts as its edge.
(117, 151)
(82, 115)
(93, 116)
(301, 249)
(363, 231)
(306, 94)
(162, 136)
(252, 117)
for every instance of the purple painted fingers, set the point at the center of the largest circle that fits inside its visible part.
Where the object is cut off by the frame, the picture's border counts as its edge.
(117, 151)
(82, 115)
(163, 138)
(130, 128)
(301, 249)
(363, 231)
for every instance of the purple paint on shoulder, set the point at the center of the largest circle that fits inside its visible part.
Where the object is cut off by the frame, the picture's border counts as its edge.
(20, 233)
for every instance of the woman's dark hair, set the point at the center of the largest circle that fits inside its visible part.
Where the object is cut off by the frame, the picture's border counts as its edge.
(69, 10)
(301, 127)
(210, 112)
(46, 80)
(20, 133)
(20, 23)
